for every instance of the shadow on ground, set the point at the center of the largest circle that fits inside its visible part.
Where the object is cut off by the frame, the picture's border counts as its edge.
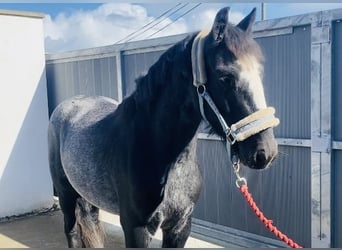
(46, 231)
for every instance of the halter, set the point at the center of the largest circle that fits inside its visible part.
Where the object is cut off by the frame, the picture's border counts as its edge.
(240, 131)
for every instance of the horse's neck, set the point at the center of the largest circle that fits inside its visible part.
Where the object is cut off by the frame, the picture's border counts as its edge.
(167, 124)
(176, 114)
(175, 118)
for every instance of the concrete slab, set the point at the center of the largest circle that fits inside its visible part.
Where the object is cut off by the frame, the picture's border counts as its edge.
(46, 231)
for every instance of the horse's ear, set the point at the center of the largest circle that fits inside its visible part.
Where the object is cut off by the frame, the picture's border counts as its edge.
(247, 23)
(220, 23)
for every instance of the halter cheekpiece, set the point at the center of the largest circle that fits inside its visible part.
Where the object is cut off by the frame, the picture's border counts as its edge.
(248, 126)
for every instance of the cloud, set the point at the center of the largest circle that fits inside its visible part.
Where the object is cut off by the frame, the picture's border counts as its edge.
(112, 22)
(102, 26)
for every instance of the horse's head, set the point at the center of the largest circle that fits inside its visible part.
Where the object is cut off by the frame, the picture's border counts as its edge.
(233, 65)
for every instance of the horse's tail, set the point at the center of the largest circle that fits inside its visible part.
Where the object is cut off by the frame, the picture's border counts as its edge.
(89, 225)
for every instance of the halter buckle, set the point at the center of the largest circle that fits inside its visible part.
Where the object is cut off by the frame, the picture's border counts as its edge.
(231, 136)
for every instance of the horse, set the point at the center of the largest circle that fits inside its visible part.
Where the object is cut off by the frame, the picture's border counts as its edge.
(138, 159)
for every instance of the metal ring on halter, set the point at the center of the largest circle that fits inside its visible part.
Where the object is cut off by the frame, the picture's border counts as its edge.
(201, 89)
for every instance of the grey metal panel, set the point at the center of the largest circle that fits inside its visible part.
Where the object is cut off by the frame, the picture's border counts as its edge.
(87, 77)
(130, 48)
(282, 192)
(106, 77)
(278, 23)
(287, 81)
(135, 65)
(337, 135)
(229, 237)
(217, 182)
(337, 199)
(55, 74)
(337, 81)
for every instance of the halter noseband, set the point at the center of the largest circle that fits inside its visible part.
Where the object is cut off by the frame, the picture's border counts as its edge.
(248, 126)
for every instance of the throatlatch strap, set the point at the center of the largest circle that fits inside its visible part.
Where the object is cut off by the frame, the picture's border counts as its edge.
(212, 105)
(200, 100)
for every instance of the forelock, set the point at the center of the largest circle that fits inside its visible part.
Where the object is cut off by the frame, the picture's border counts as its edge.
(242, 44)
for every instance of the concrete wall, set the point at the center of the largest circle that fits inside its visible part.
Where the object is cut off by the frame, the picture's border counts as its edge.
(25, 183)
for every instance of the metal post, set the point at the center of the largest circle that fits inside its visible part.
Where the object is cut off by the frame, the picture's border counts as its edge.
(321, 133)
(263, 11)
(118, 57)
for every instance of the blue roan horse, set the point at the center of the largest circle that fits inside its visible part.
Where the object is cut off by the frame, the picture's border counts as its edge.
(137, 159)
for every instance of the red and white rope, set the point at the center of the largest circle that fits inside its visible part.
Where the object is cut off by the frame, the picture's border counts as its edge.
(268, 223)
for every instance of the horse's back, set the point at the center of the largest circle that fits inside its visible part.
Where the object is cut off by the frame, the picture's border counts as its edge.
(79, 134)
(82, 111)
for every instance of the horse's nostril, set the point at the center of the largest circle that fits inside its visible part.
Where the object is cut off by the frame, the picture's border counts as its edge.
(260, 158)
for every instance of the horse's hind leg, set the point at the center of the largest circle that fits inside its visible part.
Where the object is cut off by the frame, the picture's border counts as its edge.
(71, 229)
(176, 235)
(66, 194)
(81, 225)
(90, 227)
(81, 222)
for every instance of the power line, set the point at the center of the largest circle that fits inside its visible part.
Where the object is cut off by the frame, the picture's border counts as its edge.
(143, 31)
(162, 16)
(185, 13)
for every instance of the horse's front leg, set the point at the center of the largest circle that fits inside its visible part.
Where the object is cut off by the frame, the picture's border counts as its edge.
(135, 235)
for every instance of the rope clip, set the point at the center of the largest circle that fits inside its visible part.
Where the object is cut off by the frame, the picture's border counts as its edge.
(240, 181)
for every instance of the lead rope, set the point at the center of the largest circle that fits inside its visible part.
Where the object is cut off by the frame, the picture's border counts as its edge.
(241, 183)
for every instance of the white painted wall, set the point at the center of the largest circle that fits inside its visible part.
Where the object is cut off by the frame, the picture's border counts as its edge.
(25, 183)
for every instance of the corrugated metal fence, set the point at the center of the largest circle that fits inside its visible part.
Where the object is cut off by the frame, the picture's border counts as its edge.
(303, 74)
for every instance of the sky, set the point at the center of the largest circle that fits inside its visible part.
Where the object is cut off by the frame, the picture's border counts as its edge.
(73, 26)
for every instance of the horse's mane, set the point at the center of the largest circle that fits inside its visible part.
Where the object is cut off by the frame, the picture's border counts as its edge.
(159, 74)
(241, 43)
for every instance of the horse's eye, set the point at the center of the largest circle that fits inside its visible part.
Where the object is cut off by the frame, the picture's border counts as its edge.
(227, 79)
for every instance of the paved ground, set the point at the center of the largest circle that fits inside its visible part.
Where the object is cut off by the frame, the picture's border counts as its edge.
(46, 231)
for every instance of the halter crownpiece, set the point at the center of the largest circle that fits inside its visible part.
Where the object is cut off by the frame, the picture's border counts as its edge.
(197, 59)
(240, 131)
